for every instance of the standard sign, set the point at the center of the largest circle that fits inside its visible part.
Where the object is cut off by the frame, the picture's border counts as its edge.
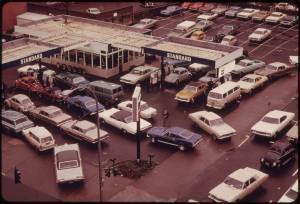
(179, 57)
(31, 58)
(136, 102)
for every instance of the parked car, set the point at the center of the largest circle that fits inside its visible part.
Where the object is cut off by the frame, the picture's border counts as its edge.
(272, 124)
(293, 134)
(211, 78)
(207, 7)
(148, 4)
(84, 130)
(228, 30)
(29, 84)
(39, 137)
(51, 115)
(94, 11)
(275, 70)
(238, 185)
(247, 13)
(70, 80)
(14, 122)
(275, 17)
(175, 136)
(213, 38)
(185, 5)
(68, 164)
(171, 10)
(278, 155)
(213, 124)
(83, 105)
(259, 35)
(246, 66)
(291, 195)
(172, 63)
(229, 40)
(220, 10)
(191, 92)
(145, 23)
(196, 5)
(232, 11)
(203, 25)
(197, 35)
(123, 120)
(289, 21)
(183, 29)
(198, 69)
(146, 111)
(138, 74)
(209, 16)
(19, 102)
(178, 75)
(53, 94)
(250, 82)
(260, 16)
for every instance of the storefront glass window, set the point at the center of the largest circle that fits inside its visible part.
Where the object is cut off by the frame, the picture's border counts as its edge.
(130, 55)
(109, 61)
(65, 56)
(103, 62)
(88, 59)
(80, 57)
(115, 60)
(96, 60)
(72, 55)
(125, 56)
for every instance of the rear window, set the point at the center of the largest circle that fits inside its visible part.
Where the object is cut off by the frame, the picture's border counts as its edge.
(215, 95)
(46, 139)
(67, 159)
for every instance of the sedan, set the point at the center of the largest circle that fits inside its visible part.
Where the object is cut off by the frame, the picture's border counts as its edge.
(138, 74)
(238, 185)
(145, 23)
(289, 21)
(228, 30)
(275, 70)
(213, 124)
(39, 137)
(146, 111)
(203, 25)
(94, 11)
(197, 35)
(19, 102)
(291, 195)
(260, 16)
(122, 120)
(68, 163)
(178, 75)
(250, 82)
(213, 38)
(220, 10)
(233, 10)
(171, 10)
(275, 17)
(207, 16)
(70, 80)
(279, 154)
(259, 35)
(51, 115)
(14, 122)
(246, 66)
(247, 13)
(175, 136)
(191, 92)
(83, 130)
(84, 105)
(229, 40)
(29, 84)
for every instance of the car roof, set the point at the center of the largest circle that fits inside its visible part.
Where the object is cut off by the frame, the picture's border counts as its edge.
(11, 114)
(280, 145)
(277, 64)
(105, 84)
(246, 60)
(180, 68)
(84, 124)
(196, 83)
(252, 76)
(121, 114)
(225, 87)
(20, 96)
(40, 132)
(50, 109)
(210, 115)
(241, 175)
(261, 29)
(83, 98)
(176, 130)
(277, 113)
(276, 12)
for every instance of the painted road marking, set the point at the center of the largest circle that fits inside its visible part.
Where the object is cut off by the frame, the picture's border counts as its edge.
(295, 172)
(247, 137)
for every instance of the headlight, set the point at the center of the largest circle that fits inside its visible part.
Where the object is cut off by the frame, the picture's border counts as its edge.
(274, 164)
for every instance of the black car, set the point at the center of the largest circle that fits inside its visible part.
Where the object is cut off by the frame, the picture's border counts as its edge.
(175, 136)
(279, 154)
(213, 38)
(70, 80)
(228, 30)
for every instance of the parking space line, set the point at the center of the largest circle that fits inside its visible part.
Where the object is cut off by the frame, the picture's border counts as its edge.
(247, 137)
(295, 172)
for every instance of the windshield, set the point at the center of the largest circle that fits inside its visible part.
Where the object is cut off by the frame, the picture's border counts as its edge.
(144, 106)
(258, 32)
(215, 95)
(78, 80)
(269, 66)
(46, 139)
(136, 71)
(68, 164)
(270, 120)
(248, 11)
(67, 159)
(190, 88)
(21, 120)
(249, 80)
(216, 122)
(90, 103)
(26, 102)
(128, 119)
(275, 15)
(56, 113)
(233, 182)
(292, 194)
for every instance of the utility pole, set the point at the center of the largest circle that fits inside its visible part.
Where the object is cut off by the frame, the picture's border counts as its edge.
(136, 102)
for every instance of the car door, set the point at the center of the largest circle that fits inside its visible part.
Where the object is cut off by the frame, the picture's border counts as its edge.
(206, 126)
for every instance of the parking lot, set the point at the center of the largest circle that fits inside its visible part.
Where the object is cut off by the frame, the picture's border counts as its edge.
(179, 175)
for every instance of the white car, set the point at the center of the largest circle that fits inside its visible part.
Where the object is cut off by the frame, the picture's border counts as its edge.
(275, 17)
(291, 195)
(207, 16)
(94, 11)
(20, 102)
(138, 74)
(51, 114)
(293, 134)
(178, 75)
(83, 130)
(213, 124)
(238, 185)
(123, 120)
(147, 112)
(39, 137)
(229, 40)
(259, 35)
(68, 164)
(250, 82)
(145, 23)
(272, 123)
(247, 13)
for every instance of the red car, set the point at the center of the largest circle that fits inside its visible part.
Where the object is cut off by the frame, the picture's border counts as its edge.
(207, 7)
(29, 84)
(52, 94)
(186, 5)
(196, 6)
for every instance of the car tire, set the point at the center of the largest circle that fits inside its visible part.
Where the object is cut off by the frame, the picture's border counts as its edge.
(153, 140)
(181, 147)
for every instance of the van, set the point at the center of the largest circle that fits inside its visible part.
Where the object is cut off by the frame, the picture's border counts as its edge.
(224, 94)
(107, 92)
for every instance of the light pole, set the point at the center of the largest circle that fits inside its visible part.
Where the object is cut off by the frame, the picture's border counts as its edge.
(136, 104)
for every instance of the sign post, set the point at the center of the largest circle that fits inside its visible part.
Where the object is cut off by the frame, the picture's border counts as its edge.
(136, 102)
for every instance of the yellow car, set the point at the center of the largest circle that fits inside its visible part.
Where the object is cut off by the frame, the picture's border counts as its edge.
(197, 35)
(191, 91)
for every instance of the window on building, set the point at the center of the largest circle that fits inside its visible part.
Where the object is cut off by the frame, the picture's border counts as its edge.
(80, 59)
(115, 60)
(130, 55)
(96, 60)
(109, 61)
(88, 59)
(72, 55)
(125, 56)
(103, 62)
(136, 54)
(103, 52)
(65, 56)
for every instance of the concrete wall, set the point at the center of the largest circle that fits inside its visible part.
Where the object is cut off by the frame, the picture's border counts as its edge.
(10, 11)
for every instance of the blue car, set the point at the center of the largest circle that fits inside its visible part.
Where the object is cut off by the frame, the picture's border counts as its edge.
(83, 105)
(175, 136)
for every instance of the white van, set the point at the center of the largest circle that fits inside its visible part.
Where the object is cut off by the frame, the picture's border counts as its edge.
(224, 94)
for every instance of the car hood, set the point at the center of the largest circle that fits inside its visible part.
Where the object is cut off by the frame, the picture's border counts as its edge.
(157, 131)
(61, 118)
(264, 71)
(69, 174)
(143, 125)
(245, 85)
(272, 18)
(130, 77)
(224, 129)
(225, 192)
(265, 127)
(171, 77)
(185, 94)
(254, 35)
